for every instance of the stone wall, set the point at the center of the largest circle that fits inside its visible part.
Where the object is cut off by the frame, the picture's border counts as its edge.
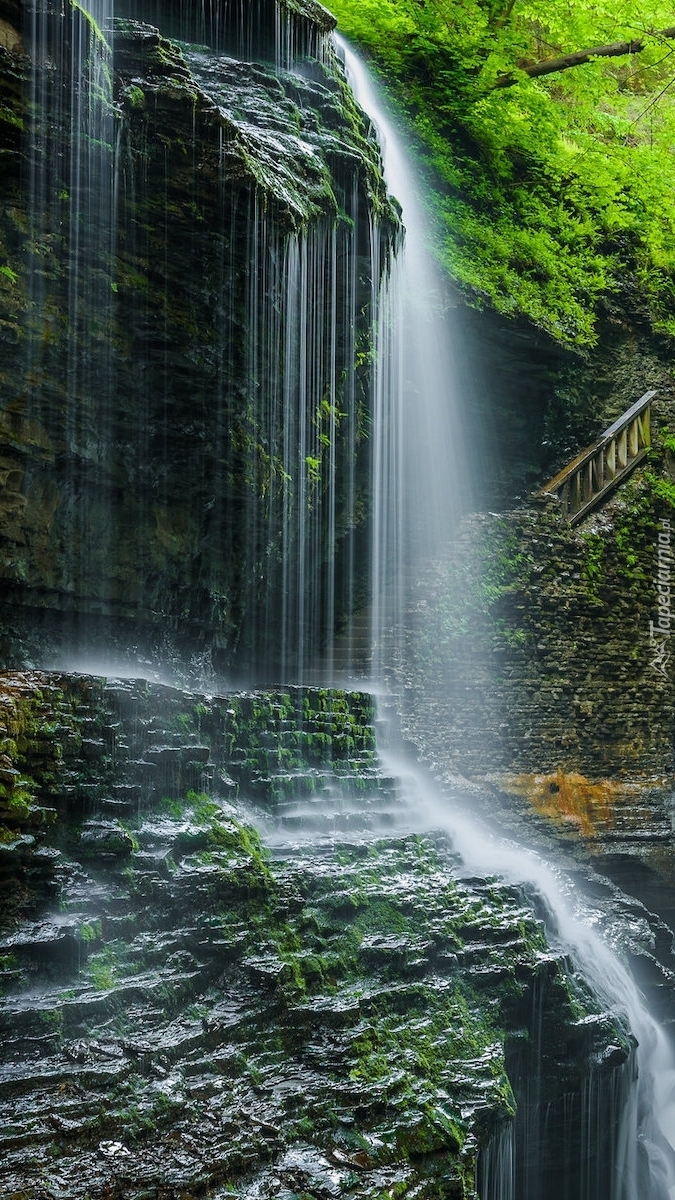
(532, 670)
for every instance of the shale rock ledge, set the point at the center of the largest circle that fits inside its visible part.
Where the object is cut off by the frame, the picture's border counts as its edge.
(229, 968)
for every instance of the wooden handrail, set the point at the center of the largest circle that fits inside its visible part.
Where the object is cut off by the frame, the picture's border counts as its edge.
(585, 482)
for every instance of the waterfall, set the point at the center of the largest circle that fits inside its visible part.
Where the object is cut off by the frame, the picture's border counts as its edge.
(309, 323)
(305, 417)
(418, 439)
(206, 304)
(267, 30)
(421, 485)
(71, 244)
(278, 399)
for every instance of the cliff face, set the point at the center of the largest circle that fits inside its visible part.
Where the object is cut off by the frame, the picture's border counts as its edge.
(270, 30)
(329, 1006)
(174, 429)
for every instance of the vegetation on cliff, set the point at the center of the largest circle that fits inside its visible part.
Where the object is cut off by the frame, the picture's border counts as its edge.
(186, 1012)
(168, 316)
(549, 130)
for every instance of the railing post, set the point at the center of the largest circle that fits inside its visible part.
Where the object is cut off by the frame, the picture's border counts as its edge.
(576, 493)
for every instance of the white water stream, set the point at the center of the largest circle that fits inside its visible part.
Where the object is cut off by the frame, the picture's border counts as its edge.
(422, 482)
(645, 1166)
(422, 478)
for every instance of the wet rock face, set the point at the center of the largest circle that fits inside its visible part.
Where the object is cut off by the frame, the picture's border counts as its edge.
(143, 476)
(250, 31)
(321, 1005)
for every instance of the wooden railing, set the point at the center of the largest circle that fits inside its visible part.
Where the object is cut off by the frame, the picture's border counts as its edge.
(593, 474)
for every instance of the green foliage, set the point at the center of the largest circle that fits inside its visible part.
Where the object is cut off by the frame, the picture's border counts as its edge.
(91, 931)
(553, 192)
(662, 487)
(593, 564)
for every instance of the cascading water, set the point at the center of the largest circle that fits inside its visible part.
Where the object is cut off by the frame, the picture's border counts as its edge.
(422, 479)
(304, 305)
(279, 371)
(220, 222)
(419, 491)
(246, 29)
(71, 244)
(644, 1167)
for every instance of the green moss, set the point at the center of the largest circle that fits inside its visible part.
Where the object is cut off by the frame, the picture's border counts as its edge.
(17, 801)
(91, 931)
(101, 976)
(381, 916)
(109, 966)
(171, 806)
(593, 565)
(663, 488)
(9, 117)
(135, 96)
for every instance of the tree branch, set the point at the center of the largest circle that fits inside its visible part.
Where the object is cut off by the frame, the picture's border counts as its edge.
(502, 20)
(563, 63)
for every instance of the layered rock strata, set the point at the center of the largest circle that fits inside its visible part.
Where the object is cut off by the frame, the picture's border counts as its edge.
(176, 430)
(328, 1011)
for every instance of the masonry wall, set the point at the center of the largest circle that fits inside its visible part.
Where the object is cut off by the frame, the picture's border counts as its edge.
(539, 659)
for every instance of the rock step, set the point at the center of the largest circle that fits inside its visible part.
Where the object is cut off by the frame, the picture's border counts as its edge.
(323, 824)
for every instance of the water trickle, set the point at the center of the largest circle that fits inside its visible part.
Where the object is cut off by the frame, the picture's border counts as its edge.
(72, 182)
(249, 30)
(71, 246)
(624, 1124)
(496, 1174)
(297, 40)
